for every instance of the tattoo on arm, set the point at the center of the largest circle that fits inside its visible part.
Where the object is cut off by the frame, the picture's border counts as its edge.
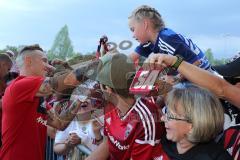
(53, 84)
(70, 113)
(45, 88)
(61, 121)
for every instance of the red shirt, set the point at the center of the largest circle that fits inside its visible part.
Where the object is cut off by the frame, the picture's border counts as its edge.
(137, 134)
(2, 89)
(23, 129)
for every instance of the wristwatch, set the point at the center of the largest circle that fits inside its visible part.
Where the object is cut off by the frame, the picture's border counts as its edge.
(177, 63)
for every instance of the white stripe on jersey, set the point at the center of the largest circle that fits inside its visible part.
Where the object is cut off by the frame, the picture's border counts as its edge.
(164, 48)
(146, 116)
(147, 44)
(152, 143)
(152, 119)
(143, 122)
(150, 128)
(166, 45)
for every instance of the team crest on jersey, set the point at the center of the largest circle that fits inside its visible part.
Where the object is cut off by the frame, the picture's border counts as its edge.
(108, 120)
(128, 130)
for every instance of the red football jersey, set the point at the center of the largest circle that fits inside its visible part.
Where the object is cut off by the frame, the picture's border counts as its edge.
(23, 129)
(137, 134)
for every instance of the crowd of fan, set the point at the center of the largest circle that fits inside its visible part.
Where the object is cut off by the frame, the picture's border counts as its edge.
(51, 111)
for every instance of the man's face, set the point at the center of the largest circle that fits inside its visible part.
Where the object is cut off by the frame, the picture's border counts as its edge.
(5, 68)
(39, 63)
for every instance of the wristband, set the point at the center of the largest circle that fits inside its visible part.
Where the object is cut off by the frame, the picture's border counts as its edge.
(97, 141)
(177, 63)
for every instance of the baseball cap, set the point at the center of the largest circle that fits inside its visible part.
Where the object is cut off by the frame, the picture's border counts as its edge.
(115, 70)
(230, 69)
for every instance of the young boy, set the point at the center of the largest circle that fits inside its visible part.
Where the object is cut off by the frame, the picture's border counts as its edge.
(132, 127)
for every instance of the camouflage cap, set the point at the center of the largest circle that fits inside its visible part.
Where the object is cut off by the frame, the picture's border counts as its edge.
(115, 70)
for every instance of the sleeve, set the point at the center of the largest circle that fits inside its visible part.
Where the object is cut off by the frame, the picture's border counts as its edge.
(181, 46)
(26, 88)
(144, 49)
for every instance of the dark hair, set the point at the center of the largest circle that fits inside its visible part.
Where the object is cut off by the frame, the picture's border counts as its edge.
(5, 58)
(31, 48)
(125, 92)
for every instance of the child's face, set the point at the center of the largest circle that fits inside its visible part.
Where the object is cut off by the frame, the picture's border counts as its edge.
(138, 29)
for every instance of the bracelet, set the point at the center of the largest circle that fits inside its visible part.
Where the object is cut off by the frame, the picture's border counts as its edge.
(177, 63)
(97, 141)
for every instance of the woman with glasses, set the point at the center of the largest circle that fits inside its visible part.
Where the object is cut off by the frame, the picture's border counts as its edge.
(193, 118)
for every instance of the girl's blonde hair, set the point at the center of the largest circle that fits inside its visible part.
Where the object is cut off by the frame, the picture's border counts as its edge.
(148, 12)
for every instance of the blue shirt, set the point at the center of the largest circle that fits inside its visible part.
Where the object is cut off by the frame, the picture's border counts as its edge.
(169, 42)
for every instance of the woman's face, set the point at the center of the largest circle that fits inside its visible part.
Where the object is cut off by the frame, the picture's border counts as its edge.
(177, 125)
(138, 30)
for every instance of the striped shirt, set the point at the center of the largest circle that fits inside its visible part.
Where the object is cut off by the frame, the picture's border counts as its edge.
(169, 42)
(135, 135)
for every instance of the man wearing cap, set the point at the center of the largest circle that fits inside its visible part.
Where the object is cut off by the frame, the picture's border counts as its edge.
(25, 113)
(132, 126)
(231, 70)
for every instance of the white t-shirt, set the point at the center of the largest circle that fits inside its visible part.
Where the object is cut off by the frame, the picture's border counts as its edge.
(83, 129)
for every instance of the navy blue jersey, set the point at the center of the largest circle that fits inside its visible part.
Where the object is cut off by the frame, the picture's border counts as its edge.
(169, 42)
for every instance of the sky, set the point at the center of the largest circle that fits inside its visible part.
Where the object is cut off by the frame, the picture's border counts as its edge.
(211, 24)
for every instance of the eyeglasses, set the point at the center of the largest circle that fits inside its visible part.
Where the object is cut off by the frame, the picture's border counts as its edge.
(169, 116)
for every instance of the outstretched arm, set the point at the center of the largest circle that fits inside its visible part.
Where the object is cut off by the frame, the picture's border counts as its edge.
(201, 77)
(62, 121)
(53, 84)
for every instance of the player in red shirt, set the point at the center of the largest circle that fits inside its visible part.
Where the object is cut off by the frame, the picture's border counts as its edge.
(133, 127)
(24, 110)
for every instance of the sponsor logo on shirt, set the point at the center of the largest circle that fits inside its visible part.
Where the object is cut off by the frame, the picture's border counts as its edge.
(117, 143)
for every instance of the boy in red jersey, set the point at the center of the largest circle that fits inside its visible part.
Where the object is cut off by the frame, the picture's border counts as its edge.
(132, 127)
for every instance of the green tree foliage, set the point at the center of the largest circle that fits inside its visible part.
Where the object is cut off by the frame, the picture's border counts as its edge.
(209, 55)
(79, 58)
(212, 60)
(62, 47)
(14, 49)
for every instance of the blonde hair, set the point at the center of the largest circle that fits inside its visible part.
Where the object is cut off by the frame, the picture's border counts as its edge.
(148, 12)
(202, 109)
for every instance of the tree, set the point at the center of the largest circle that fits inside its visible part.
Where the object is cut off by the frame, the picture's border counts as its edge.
(14, 49)
(212, 60)
(209, 55)
(62, 47)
